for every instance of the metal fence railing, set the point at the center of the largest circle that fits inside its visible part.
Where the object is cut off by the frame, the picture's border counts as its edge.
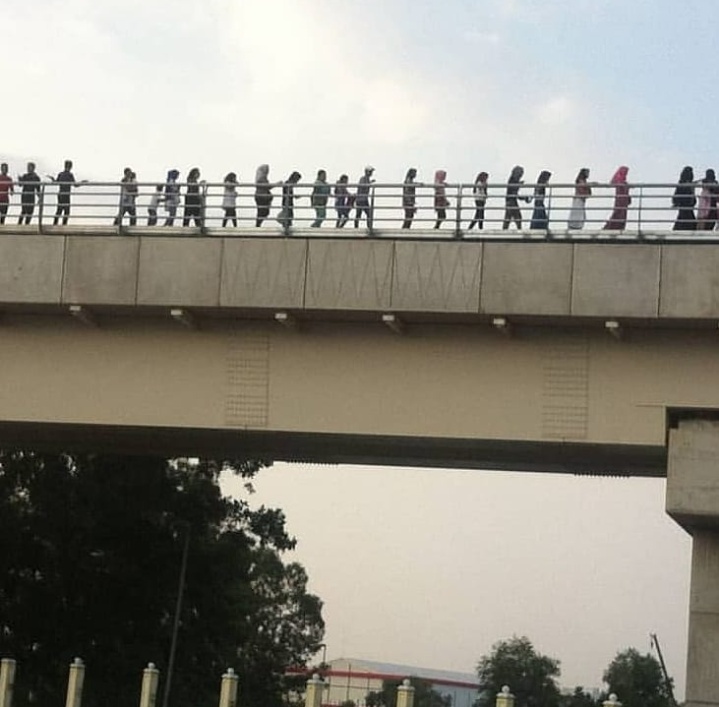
(456, 210)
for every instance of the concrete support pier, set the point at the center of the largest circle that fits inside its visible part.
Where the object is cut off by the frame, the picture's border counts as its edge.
(693, 501)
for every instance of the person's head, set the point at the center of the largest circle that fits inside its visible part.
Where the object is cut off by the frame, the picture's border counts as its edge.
(321, 175)
(687, 174)
(411, 174)
(231, 178)
(481, 177)
(517, 173)
(582, 175)
(31, 167)
(68, 165)
(620, 176)
(133, 175)
(4, 168)
(193, 175)
(127, 172)
(294, 177)
(710, 176)
(172, 175)
(262, 172)
(440, 175)
(544, 176)
(343, 179)
(368, 170)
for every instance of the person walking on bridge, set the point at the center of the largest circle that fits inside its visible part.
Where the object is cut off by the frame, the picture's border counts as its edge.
(618, 219)
(319, 197)
(540, 220)
(30, 183)
(684, 200)
(362, 201)
(229, 200)
(512, 212)
(193, 199)
(479, 192)
(7, 187)
(288, 200)
(66, 181)
(342, 201)
(707, 208)
(441, 203)
(263, 193)
(128, 197)
(409, 199)
(172, 196)
(582, 191)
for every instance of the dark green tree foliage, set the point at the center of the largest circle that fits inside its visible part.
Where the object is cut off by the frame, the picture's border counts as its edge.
(637, 680)
(424, 694)
(530, 676)
(579, 698)
(90, 553)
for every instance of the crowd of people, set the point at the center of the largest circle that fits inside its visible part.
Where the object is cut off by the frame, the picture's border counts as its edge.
(692, 213)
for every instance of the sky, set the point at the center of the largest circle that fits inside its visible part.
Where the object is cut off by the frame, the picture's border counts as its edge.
(423, 567)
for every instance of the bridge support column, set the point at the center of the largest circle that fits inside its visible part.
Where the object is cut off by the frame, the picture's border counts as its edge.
(693, 501)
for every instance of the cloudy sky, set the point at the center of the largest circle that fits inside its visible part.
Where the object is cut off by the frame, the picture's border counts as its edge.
(423, 567)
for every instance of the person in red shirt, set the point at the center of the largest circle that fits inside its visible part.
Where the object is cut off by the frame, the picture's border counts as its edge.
(6, 188)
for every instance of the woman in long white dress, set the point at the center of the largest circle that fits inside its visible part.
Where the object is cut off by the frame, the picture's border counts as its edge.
(582, 190)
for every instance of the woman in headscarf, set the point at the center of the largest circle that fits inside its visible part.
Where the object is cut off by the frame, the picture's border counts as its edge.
(540, 220)
(409, 199)
(582, 191)
(512, 211)
(479, 192)
(288, 200)
(172, 196)
(263, 193)
(441, 202)
(707, 211)
(684, 201)
(193, 200)
(618, 219)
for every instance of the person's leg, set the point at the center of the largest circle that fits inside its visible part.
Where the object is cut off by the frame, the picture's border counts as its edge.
(133, 215)
(151, 217)
(3, 211)
(480, 217)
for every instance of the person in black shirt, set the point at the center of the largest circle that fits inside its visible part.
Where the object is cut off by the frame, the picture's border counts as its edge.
(684, 200)
(30, 183)
(193, 200)
(362, 205)
(65, 179)
(512, 212)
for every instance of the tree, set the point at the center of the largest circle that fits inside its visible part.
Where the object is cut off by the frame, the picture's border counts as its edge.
(637, 680)
(529, 675)
(424, 694)
(579, 698)
(90, 555)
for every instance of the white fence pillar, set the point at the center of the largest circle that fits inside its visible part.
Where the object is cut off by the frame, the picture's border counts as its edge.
(150, 680)
(505, 698)
(405, 694)
(315, 691)
(7, 681)
(75, 682)
(228, 689)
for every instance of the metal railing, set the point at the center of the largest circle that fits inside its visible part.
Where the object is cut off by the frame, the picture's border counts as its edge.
(103, 208)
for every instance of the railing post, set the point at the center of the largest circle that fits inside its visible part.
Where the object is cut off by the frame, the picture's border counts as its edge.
(405, 694)
(370, 218)
(639, 215)
(150, 679)
(458, 215)
(228, 689)
(505, 698)
(75, 682)
(203, 207)
(612, 701)
(7, 681)
(315, 691)
(40, 207)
